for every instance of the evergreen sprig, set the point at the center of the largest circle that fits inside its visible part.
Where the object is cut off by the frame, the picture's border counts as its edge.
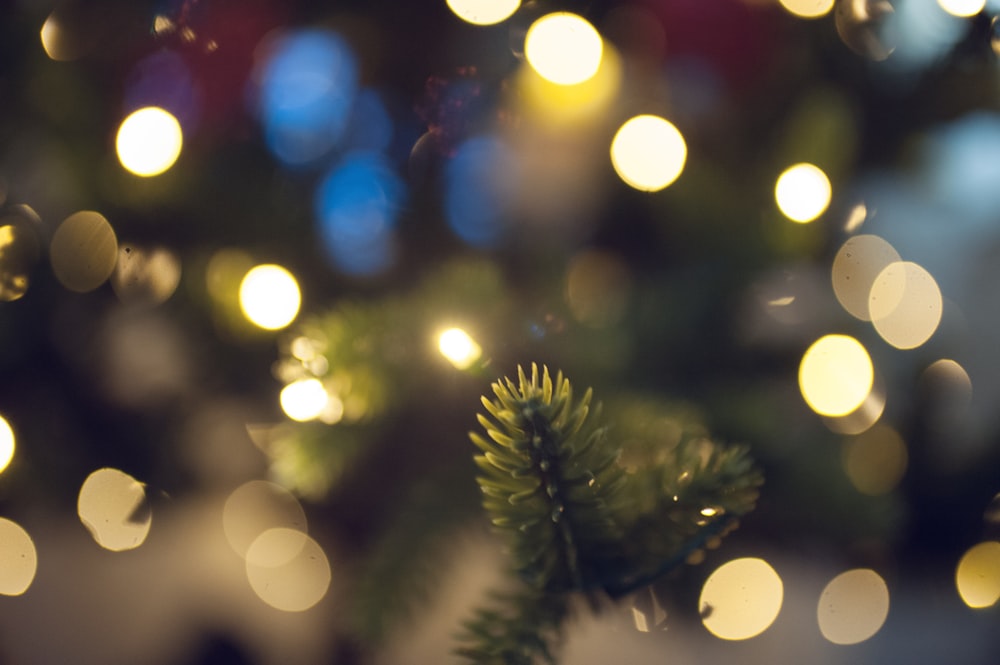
(577, 520)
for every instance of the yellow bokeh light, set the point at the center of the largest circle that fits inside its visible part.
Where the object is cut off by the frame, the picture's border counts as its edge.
(741, 599)
(977, 576)
(905, 305)
(18, 559)
(255, 507)
(876, 460)
(484, 12)
(962, 8)
(6, 444)
(304, 399)
(863, 417)
(853, 606)
(149, 141)
(808, 8)
(648, 153)
(836, 375)
(459, 348)
(803, 192)
(563, 48)
(855, 267)
(287, 569)
(113, 507)
(83, 251)
(270, 297)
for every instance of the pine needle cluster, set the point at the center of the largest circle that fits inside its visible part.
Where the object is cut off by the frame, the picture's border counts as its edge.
(577, 521)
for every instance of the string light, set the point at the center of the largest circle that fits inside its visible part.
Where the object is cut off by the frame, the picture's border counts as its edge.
(563, 48)
(802, 192)
(149, 141)
(270, 297)
(648, 153)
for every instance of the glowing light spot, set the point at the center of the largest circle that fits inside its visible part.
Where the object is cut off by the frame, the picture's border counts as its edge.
(853, 606)
(149, 141)
(855, 267)
(145, 276)
(962, 8)
(479, 180)
(308, 83)
(484, 12)
(256, 506)
(459, 348)
(648, 153)
(288, 570)
(598, 285)
(861, 25)
(905, 305)
(808, 8)
(855, 218)
(18, 559)
(563, 48)
(835, 375)
(20, 249)
(741, 599)
(304, 400)
(803, 192)
(83, 251)
(113, 507)
(978, 575)
(356, 206)
(68, 33)
(7, 443)
(270, 297)
(876, 460)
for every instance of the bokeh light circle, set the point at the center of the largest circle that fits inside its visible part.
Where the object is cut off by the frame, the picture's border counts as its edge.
(149, 141)
(977, 576)
(648, 153)
(304, 399)
(564, 48)
(855, 267)
(18, 559)
(853, 606)
(803, 192)
(288, 570)
(114, 508)
(459, 348)
(875, 460)
(270, 296)
(484, 12)
(808, 8)
(836, 375)
(83, 251)
(962, 8)
(741, 599)
(905, 305)
(7, 444)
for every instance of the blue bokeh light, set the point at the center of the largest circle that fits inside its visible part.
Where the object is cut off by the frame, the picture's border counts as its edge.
(478, 182)
(307, 90)
(357, 205)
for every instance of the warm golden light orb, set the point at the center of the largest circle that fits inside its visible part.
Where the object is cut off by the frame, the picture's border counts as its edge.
(484, 12)
(270, 297)
(83, 251)
(808, 8)
(149, 141)
(18, 559)
(459, 348)
(648, 153)
(741, 599)
(962, 8)
(836, 375)
(6, 444)
(113, 506)
(978, 575)
(287, 569)
(563, 48)
(803, 192)
(853, 606)
(304, 400)
(905, 304)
